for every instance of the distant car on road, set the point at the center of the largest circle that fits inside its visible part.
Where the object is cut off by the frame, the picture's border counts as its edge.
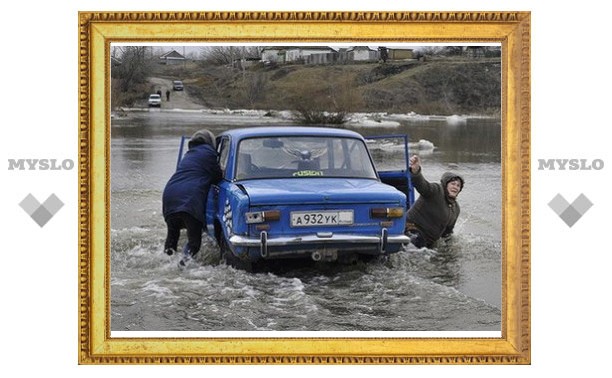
(303, 192)
(177, 85)
(155, 100)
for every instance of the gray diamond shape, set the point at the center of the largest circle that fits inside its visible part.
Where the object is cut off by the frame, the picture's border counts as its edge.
(41, 216)
(558, 204)
(582, 204)
(41, 213)
(29, 204)
(570, 216)
(570, 213)
(53, 204)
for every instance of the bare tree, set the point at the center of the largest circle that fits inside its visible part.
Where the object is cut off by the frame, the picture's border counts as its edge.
(134, 66)
(130, 76)
(222, 55)
(324, 100)
(253, 87)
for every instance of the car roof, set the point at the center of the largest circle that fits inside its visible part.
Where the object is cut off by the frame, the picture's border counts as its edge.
(279, 131)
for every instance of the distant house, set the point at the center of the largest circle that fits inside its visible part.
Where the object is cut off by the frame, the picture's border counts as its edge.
(300, 54)
(293, 54)
(401, 54)
(362, 54)
(273, 54)
(171, 57)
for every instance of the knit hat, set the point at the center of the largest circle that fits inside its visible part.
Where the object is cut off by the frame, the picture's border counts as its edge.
(202, 137)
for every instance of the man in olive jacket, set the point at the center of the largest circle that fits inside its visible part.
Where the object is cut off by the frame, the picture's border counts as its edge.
(436, 210)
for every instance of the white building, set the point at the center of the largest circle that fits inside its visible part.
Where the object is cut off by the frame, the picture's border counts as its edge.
(171, 57)
(362, 54)
(275, 54)
(297, 53)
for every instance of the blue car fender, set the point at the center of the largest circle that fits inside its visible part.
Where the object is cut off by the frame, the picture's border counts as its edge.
(232, 204)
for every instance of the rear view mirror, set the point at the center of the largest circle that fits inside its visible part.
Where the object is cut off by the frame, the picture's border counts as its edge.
(273, 143)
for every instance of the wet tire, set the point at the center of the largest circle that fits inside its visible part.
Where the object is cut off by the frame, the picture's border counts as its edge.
(225, 254)
(232, 260)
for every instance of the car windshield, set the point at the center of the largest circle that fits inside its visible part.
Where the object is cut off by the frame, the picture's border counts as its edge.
(303, 156)
(154, 96)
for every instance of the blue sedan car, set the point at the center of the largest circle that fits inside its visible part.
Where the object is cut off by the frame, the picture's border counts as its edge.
(304, 192)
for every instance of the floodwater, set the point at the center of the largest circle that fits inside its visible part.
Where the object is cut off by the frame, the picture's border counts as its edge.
(455, 287)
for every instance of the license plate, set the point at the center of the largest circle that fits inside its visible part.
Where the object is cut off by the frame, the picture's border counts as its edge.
(321, 218)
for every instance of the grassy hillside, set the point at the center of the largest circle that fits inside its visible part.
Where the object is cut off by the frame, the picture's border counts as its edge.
(444, 86)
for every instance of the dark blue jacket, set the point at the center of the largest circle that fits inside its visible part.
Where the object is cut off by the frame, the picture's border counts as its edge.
(187, 189)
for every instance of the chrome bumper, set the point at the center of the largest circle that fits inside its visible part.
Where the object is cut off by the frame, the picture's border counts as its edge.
(264, 242)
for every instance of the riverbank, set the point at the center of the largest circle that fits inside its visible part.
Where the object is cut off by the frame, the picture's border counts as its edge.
(445, 86)
(250, 117)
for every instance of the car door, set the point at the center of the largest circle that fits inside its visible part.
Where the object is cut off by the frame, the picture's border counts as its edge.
(391, 158)
(182, 150)
(213, 208)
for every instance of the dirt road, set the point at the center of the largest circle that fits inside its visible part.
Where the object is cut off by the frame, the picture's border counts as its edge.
(177, 99)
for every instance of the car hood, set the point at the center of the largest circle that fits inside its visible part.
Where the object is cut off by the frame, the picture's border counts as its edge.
(319, 191)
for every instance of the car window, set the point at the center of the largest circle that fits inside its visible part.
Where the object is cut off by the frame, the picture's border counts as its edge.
(223, 150)
(307, 156)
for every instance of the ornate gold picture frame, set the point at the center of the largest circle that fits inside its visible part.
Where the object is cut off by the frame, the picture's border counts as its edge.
(97, 30)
